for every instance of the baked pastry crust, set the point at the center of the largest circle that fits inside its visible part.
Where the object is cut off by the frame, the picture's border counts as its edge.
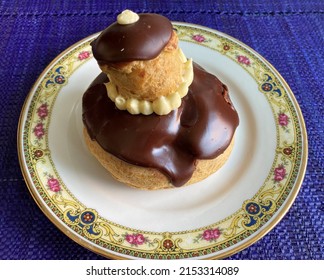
(149, 178)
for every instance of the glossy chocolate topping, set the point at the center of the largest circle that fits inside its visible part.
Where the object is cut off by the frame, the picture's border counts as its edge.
(142, 40)
(201, 128)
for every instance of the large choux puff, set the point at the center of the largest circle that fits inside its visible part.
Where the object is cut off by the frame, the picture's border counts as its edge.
(150, 178)
(153, 118)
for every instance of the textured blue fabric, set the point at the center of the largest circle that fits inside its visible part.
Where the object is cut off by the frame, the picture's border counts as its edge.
(288, 33)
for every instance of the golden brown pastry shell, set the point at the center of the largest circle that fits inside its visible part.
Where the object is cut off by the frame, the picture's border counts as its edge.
(150, 178)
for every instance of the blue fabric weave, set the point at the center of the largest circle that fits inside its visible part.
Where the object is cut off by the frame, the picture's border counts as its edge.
(289, 34)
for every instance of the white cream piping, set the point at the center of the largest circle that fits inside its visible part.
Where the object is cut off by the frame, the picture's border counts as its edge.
(161, 106)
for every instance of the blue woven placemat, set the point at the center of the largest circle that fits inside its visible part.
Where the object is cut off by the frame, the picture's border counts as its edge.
(289, 34)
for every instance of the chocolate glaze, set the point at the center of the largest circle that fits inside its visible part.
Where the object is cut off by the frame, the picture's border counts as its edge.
(142, 40)
(201, 128)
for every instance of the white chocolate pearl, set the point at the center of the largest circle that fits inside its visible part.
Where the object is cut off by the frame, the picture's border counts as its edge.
(132, 106)
(174, 100)
(120, 102)
(146, 107)
(112, 91)
(161, 106)
(188, 75)
(127, 17)
(182, 56)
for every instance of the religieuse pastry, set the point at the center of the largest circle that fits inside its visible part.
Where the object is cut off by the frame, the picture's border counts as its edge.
(153, 118)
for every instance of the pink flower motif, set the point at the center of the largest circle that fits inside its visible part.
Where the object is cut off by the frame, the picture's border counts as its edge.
(207, 234)
(139, 239)
(54, 185)
(135, 239)
(130, 238)
(211, 234)
(243, 59)
(39, 130)
(199, 38)
(216, 233)
(42, 111)
(279, 173)
(283, 119)
(83, 55)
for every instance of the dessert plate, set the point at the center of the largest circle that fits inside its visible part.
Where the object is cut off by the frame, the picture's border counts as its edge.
(215, 218)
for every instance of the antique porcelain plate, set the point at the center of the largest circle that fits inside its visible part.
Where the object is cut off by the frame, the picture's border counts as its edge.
(212, 219)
